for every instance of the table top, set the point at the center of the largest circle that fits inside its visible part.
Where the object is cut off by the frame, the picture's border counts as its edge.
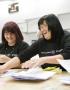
(8, 83)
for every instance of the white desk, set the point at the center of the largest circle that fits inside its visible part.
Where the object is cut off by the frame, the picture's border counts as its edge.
(50, 84)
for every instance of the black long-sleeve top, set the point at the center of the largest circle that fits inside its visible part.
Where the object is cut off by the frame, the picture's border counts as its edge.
(45, 47)
(12, 51)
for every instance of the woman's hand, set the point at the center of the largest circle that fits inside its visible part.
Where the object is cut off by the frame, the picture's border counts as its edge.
(41, 61)
(4, 58)
(32, 63)
(28, 64)
(2, 69)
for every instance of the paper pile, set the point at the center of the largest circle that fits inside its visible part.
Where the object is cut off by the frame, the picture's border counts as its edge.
(33, 74)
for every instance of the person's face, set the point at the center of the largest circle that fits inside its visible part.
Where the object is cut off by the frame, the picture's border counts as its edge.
(44, 30)
(10, 38)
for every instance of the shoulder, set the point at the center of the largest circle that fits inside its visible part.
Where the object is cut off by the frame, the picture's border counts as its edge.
(37, 43)
(67, 36)
(22, 46)
(1, 45)
(23, 43)
(66, 33)
(39, 40)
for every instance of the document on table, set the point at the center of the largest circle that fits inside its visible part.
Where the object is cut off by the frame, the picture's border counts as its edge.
(33, 74)
(8, 73)
(65, 79)
(65, 64)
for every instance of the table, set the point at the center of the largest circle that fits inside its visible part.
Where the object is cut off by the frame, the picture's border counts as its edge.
(8, 83)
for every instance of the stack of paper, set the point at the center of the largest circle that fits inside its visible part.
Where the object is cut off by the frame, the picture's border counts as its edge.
(65, 64)
(33, 74)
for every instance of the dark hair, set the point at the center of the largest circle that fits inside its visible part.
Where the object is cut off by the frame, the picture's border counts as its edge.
(13, 28)
(53, 25)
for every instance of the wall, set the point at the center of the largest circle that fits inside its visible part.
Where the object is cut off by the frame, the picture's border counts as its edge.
(65, 20)
(29, 29)
(29, 13)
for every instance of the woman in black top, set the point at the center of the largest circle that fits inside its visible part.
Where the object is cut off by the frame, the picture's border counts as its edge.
(12, 42)
(54, 45)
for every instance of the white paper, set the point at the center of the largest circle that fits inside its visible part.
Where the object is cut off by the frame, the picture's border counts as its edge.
(65, 64)
(33, 74)
(35, 57)
(65, 79)
(8, 73)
